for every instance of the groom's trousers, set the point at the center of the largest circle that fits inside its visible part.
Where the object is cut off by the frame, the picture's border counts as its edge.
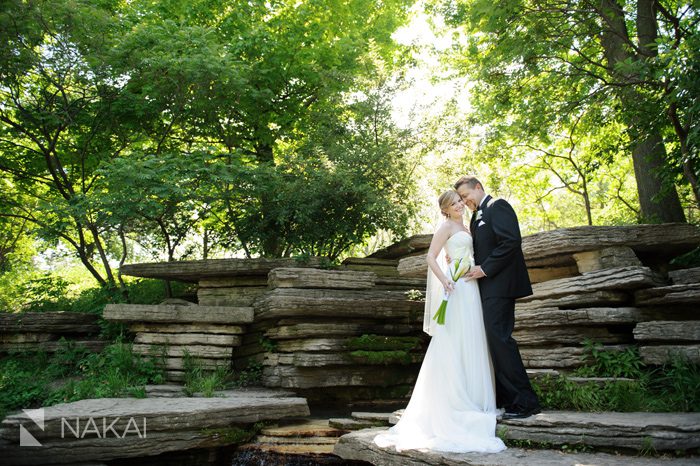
(513, 389)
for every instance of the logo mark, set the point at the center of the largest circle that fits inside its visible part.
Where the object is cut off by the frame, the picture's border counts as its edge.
(26, 439)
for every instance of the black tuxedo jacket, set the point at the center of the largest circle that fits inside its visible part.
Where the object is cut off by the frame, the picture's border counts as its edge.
(497, 249)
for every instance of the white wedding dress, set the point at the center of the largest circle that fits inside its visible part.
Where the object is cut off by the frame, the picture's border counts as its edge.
(453, 405)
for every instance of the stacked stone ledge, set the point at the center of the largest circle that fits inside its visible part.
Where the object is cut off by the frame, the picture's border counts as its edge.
(306, 328)
(44, 331)
(611, 285)
(207, 333)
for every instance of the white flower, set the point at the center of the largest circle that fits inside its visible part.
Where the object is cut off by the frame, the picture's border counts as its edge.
(479, 213)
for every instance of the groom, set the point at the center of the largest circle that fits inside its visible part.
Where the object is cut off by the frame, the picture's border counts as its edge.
(502, 278)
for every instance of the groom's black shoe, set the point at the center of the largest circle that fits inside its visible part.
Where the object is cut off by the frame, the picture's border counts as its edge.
(520, 414)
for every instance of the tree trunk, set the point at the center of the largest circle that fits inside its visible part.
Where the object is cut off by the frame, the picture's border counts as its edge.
(271, 244)
(658, 198)
(657, 195)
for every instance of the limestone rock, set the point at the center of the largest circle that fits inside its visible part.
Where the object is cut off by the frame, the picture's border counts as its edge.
(685, 276)
(312, 344)
(178, 314)
(606, 258)
(413, 266)
(567, 335)
(93, 345)
(668, 331)
(381, 267)
(303, 359)
(337, 304)
(177, 351)
(591, 316)
(231, 282)
(303, 377)
(621, 278)
(317, 278)
(188, 339)
(360, 446)
(291, 330)
(190, 327)
(558, 358)
(400, 283)
(404, 248)
(178, 364)
(654, 242)
(665, 353)
(662, 431)
(543, 274)
(27, 337)
(139, 427)
(238, 296)
(603, 298)
(49, 322)
(674, 294)
(193, 271)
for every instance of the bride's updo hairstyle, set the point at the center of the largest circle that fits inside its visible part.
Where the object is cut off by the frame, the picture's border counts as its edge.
(446, 199)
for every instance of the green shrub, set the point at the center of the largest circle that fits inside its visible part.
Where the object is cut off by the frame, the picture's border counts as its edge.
(33, 379)
(674, 386)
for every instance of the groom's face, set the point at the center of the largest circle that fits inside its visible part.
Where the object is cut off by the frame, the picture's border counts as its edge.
(471, 196)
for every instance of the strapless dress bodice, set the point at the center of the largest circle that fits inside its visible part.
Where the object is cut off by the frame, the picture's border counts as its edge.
(459, 245)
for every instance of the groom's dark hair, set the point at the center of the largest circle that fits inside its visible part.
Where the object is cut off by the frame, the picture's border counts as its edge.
(470, 181)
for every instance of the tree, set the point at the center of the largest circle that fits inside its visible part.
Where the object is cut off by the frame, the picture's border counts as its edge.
(56, 124)
(542, 64)
(131, 121)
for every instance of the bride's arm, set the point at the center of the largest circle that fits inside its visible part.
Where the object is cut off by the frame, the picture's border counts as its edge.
(436, 245)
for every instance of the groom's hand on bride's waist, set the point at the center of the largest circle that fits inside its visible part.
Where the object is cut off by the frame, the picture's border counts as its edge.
(475, 273)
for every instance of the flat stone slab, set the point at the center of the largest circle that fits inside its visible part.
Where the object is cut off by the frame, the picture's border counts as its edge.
(602, 298)
(94, 346)
(188, 339)
(661, 431)
(188, 327)
(665, 353)
(178, 314)
(240, 296)
(319, 278)
(339, 376)
(359, 446)
(127, 427)
(674, 294)
(558, 358)
(685, 276)
(668, 331)
(405, 247)
(592, 316)
(48, 322)
(336, 304)
(303, 428)
(292, 331)
(557, 247)
(192, 271)
(348, 424)
(620, 278)
(413, 266)
(664, 241)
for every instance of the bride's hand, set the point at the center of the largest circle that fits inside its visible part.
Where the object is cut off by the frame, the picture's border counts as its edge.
(448, 286)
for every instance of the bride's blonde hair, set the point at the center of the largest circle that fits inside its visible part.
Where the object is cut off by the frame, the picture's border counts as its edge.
(446, 199)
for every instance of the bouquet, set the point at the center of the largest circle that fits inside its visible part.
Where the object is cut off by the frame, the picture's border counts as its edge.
(457, 270)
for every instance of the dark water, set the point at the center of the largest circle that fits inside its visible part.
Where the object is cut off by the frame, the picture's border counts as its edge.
(261, 458)
(229, 456)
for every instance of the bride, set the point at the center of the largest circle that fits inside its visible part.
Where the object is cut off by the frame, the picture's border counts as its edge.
(453, 405)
